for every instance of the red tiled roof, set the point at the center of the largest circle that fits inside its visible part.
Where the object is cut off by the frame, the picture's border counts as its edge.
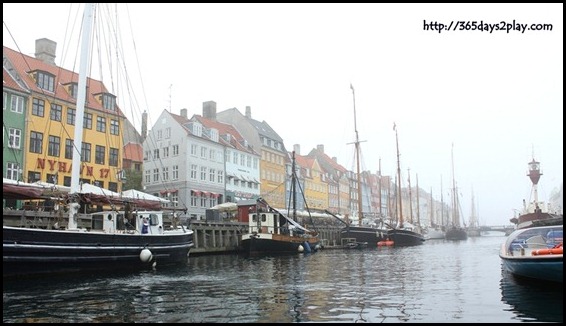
(133, 152)
(25, 64)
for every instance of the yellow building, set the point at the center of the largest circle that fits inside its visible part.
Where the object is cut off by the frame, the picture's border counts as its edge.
(50, 121)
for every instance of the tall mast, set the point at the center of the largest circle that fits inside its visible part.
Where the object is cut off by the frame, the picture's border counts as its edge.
(81, 96)
(379, 189)
(410, 197)
(455, 218)
(399, 180)
(418, 208)
(441, 203)
(293, 188)
(431, 209)
(357, 144)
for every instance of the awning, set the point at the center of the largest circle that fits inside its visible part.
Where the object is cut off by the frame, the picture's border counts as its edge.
(206, 193)
(196, 192)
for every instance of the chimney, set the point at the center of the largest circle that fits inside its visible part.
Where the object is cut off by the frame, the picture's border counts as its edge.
(184, 113)
(45, 50)
(248, 112)
(335, 159)
(144, 125)
(297, 149)
(209, 110)
(320, 148)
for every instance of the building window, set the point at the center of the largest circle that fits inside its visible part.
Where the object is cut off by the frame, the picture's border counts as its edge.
(156, 153)
(165, 174)
(221, 177)
(54, 147)
(101, 124)
(15, 138)
(73, 90)
(194, 149)
(175, 172)
(51, 178)
(155, 175)
(12, 170)
(147, 176)
(87, 121)
(99, 153)
(167, 133)
(113, 155)
(114, 127)
(68, 149)
(17, 103)
(203, 152)
(193, 171)
(203, 173)
(159, 134)
(36, 142)
(46, 81)
(212, 154)
(85, 152)
(211, 175)
(165, 152)
(109, 102)
(71, 114)
(175, 150)
(38, 107)
(56, 112)
(34, 176)
(113, 186)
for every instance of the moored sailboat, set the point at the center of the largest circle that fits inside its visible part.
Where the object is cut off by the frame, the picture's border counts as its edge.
(361, 236)
(119, 235)
(454, 230)
(402, 235)
(271, 232)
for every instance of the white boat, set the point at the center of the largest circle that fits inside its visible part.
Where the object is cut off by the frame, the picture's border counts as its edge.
(535, 253)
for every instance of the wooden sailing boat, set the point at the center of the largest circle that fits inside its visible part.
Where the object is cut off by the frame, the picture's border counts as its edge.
(361, 236)
(271, 232)
(455, 231)
(402, 235)
(119, 238)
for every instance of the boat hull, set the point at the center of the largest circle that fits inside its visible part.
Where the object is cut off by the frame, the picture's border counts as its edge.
(258, 244)
(361, 234)
(456, 234)
(405, 238)
(29, 251)
(534, 253)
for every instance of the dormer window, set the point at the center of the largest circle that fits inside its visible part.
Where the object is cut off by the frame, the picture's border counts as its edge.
(107, 100)
(73, 89)
(45, 81)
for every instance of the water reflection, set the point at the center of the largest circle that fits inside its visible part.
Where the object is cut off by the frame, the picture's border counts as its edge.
(439, 282)
(533, 300)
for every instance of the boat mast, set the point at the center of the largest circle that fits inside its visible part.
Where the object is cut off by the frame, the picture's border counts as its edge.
(418, 209)
(455, 219)
(431, 209)
(357, 144)
(379, 190)
(441, 203)
(410, 197)
(399, 180)
(293, 189)
(81, 97)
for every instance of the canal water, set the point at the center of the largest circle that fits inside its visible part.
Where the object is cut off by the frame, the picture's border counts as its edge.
(440, 281)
